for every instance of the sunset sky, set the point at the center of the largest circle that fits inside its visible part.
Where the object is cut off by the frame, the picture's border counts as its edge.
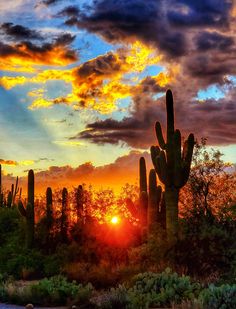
(83, 82)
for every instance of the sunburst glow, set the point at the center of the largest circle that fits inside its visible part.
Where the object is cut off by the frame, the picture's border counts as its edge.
(115, 220)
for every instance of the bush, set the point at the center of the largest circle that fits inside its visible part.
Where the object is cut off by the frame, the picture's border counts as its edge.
(152, 290)
(55, 291)
(222, 297)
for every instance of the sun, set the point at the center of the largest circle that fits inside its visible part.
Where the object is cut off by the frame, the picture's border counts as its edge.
(115, 220)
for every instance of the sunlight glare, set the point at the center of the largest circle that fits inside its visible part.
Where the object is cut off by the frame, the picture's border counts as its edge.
(115, 220)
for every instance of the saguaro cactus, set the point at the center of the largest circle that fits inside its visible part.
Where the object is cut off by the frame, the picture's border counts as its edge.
(143, 195)
(154, 199)
(150, 209)
(64, 219)
(49, 214)
(172, 164)
(79, 203)
(28, 212)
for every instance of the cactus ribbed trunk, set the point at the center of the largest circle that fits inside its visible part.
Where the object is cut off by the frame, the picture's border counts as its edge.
(143, 195)
(79, 203)
(171, 199)
(154, 198)
(64, 219)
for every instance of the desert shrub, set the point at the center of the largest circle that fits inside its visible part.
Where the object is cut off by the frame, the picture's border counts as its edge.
(152, 290)
(213, 245)
(222, 297)
(48, 292)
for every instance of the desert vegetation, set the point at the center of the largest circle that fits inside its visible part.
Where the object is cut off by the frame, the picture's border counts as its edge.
(168, 242)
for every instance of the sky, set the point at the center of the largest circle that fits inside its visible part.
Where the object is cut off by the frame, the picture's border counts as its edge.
(82, 83)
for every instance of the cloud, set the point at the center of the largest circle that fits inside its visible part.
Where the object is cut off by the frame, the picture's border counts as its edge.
(8, 162)
(24, 56)
(213, 40)
(120, 21)
(50, 2)
(100, 82)
(213, 119)
(19, 32)
(195, 13)
(114, 175)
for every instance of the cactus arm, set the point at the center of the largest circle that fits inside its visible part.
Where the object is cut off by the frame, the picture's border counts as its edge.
(143, 175)
(159, 135)
(31, 187)
(131, 208)
(178, 160)
(9, 199)
(170, 116)
(155, 152)
(187, 158)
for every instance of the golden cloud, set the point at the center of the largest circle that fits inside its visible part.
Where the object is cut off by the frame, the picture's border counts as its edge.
(8, 162)
(97, 84)
(26, 57)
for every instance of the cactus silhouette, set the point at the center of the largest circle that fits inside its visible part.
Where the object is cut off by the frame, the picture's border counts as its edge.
(151, 208)
(79, 203)
(154, 199)
(172, 165)
(28, 211)
(49, 212)
(143, 195)
(64, 218)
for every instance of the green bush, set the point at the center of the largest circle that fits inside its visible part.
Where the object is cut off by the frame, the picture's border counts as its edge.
(152, 290)
(55, 291)
(222, 297)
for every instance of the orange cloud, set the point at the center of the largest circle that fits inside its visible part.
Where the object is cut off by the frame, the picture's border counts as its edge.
(8, 162)
(26, 57)
(123, 170)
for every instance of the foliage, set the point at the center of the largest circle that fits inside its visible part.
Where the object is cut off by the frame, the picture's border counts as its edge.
(48, 292)
(222, 297)
(210, 187)
(152, 290)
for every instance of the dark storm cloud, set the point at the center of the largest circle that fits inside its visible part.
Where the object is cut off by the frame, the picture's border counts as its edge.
(102, 66)
(166, 24)
(118, 21)
(19, 32)
(50, 2)
(199, 13)
(213, 40)
(69, 11)
(64, 39)
(213, 119)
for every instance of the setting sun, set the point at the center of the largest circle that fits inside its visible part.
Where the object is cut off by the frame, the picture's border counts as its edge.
(115, 220)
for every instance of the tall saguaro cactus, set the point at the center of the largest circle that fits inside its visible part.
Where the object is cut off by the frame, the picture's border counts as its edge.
(172, 163)
(79, 203)
(49, 212)
(28, 211)
(143, 195)
(64, 219)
